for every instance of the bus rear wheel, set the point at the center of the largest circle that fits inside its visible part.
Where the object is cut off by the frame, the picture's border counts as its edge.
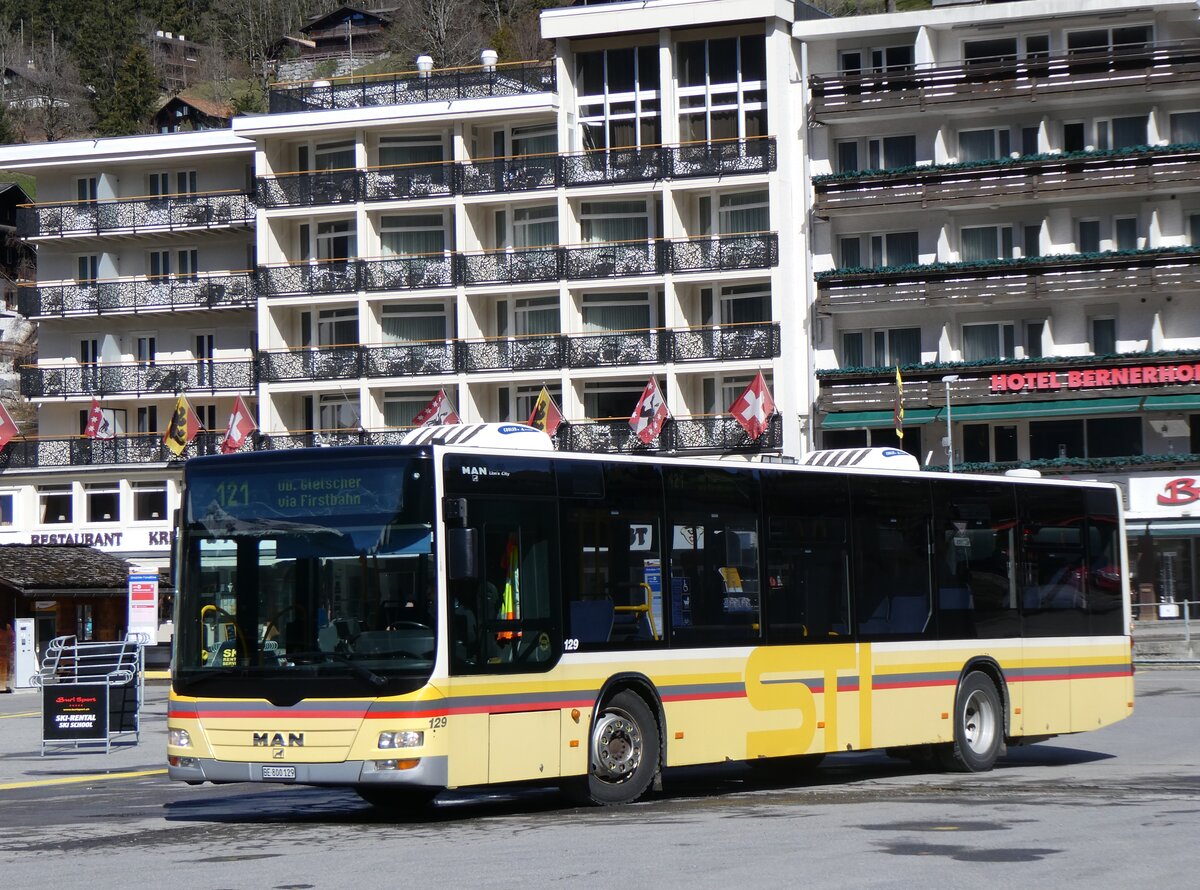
(624, 750)
(978, 727)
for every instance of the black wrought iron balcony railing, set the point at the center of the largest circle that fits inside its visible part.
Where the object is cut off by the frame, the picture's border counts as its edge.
(757, 340)
(75, 451)
(217, 375)
(168, 212)
(1161, 271)
(711, 434)
(404, 88)
(137, 295)
(616, 259)
(1138, 65)
(721, 157)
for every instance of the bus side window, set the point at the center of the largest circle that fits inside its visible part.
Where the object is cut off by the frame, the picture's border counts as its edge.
(1054, 572)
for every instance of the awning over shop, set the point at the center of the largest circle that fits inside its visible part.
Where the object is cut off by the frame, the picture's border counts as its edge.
(1015, 410)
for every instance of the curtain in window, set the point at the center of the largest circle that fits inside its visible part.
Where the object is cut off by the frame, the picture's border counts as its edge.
(399, 409)
(899, 151)
(906, 346)
(535, 227)
(395, 155)
(613, 226)
(902, 249)
(413, 328)
(419, 235)
(744, 213)
(852, 350)
(980, 342)
(599, 317)
(1185, 127)
(538, 144)
(1129, 131)
(536, 317)
(745, 310)
(976, 145)
(979, 244)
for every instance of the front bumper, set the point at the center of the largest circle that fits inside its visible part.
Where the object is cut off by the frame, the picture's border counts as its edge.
(431, 772)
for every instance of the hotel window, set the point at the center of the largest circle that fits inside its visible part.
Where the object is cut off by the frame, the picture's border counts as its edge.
(540, 140)
(888, 347)
(878, 251)
(335, 327)
(415, 235)
(149, 501)
(7, 500)
(612, 401)
(401, 406)
(338, 411)
(525, 397)
(1104, 336)
(55, 504)
(616, 312)
(743, 212)
(719, 393)
(605, 221)
(1089, 236)
(1125, 233)
(852, 350)
(983, 243)
(535, 226)
(536, 316)
(103, 501)
(1185, 128)
(983, 145)
(988, 341)
(722, 88)
(147, 419)
(415, 322)
(1128, 37)
(396, 151)
(86, 189)
(619, 104)
(884, 58)
(1194, 229)
(87, 268)
(745, 304)
(882, 153)
(1033, 338)
(146, 348)
(336, 240)
(1103, 134)
(158, 264)
(335, 156)
(186, 263)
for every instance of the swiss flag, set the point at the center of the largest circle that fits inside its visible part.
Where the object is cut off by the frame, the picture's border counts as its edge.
(650, 414)
(439, 410)
(98, 426)
(8, 427)
(241, 425)
(754, 407)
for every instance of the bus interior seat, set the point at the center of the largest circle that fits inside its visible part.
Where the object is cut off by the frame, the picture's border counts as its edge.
(592, 620)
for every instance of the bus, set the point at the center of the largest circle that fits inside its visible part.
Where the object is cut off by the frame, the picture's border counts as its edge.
(471, 607)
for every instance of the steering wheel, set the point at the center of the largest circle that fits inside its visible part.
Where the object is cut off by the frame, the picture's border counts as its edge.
(274, 622)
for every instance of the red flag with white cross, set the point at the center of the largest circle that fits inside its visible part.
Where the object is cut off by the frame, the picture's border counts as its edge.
(754, 407)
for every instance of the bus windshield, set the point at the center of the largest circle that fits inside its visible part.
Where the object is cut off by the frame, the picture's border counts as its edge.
(302, 567)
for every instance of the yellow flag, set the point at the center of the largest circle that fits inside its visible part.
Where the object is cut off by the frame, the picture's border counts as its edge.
(183, 427)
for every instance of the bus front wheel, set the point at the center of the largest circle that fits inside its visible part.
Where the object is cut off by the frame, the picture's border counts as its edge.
(978, 727)
(624, 750)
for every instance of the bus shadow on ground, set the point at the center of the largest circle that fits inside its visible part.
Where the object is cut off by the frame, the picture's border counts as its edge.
(721, 784)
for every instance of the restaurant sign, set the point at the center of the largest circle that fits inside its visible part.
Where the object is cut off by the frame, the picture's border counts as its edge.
(1095, 378)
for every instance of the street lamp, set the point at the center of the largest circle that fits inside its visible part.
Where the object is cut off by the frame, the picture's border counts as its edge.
(948, 379)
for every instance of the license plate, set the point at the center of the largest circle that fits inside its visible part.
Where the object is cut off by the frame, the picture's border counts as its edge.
(279, 772)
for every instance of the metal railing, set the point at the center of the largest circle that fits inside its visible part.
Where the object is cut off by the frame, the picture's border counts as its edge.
(137, 295)
(407, 87)
(138, 378)
(520, 173)
(167, 212)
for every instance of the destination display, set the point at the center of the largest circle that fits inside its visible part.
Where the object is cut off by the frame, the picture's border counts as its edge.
(300, 491)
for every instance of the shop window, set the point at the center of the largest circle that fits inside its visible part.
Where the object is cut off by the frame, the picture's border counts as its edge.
(1004, 444)
(1051, 439)
(149, 501)
(975, 443)
(103, 501)
(1114, 436)
(55, 504)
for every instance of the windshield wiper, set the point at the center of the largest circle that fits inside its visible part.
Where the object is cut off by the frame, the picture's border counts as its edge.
(357, 669)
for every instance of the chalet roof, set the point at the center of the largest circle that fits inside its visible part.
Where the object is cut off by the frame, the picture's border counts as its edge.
(11, 191)
(63, 569)
(205, 106)
(335, 17)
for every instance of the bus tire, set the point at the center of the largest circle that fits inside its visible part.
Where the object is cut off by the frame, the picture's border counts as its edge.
(623, 754)
(978, 727)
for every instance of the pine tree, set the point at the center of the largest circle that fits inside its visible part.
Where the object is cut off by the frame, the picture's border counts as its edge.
(125, 107)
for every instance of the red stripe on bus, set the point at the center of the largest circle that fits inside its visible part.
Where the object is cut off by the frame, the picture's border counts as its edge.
(910, 684)
(705, 696)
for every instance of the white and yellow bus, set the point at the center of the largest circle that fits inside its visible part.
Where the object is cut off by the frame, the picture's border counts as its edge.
(473, 608)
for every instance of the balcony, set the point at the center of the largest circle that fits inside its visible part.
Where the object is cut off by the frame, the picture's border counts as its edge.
(522, 173)
(545, 352)
(703, 434)
(616, 259)
(1007, 182)
(961, 86)
(1160, 271)
(441, 85)
(136, 295)
(77, 451)
(137, 378)
(154, 214)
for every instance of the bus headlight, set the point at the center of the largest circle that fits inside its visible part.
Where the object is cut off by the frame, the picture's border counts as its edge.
(407, 738)
(179, 738)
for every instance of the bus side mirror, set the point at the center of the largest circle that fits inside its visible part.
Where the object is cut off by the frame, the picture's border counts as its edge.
(462, 554)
